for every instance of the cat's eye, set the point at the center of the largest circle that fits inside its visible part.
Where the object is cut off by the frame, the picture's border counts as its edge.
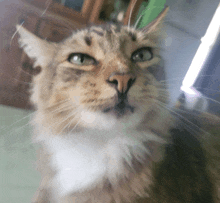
(141, 55)
(81, 59)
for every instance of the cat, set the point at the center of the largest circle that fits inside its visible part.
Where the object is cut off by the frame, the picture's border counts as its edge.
(100, 120)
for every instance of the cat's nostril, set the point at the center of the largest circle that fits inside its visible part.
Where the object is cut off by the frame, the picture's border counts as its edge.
(114, 82)
(131, 82)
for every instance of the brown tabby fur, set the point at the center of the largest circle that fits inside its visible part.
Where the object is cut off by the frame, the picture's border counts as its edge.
(63, 90)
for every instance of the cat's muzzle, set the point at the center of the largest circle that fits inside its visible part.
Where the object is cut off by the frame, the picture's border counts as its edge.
(121, 108)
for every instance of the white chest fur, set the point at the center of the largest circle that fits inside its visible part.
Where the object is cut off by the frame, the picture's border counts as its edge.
(83, 160)
(78, 165)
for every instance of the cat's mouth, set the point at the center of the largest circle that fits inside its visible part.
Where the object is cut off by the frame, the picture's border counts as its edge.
(120, 109)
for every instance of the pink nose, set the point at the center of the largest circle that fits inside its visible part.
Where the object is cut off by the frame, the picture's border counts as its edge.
(121, 82)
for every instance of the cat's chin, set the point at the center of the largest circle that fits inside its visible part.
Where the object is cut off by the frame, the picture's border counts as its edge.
(120, 110)
(111, 118)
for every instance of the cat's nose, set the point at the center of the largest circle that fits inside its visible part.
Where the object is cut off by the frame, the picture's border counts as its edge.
(121, 82)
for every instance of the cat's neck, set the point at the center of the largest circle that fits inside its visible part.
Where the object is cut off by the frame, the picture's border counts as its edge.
(97, 137)
(84, 159)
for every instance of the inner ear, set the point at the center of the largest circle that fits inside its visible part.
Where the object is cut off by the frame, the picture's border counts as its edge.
(38, 49)
(155, 25)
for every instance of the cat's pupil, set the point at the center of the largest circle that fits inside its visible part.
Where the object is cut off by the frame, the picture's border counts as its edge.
(81, 58)
(141, 55)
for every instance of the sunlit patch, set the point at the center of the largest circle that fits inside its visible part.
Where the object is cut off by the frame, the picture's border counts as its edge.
(88, 117)
(98, 120)
(203, 51)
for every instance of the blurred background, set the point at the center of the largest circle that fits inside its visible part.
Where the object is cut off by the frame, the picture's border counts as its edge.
(191, 51)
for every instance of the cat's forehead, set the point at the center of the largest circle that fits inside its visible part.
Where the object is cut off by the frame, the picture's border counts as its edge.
(104, 41)
(109, 33)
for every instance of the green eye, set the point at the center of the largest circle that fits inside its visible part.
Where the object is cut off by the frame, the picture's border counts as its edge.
(141, 55)
(81, 59)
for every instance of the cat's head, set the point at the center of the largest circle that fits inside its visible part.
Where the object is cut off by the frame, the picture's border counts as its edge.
(99, 77)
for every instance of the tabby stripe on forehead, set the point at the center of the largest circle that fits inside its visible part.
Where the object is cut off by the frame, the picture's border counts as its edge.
(98, 32)
(133, 36)
(88, 40)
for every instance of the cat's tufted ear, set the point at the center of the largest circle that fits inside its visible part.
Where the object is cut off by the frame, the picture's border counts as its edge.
(155, 25)
(36, 48)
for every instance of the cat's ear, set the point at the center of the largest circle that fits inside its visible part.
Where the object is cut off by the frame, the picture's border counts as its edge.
(36, 48)
(155, 25)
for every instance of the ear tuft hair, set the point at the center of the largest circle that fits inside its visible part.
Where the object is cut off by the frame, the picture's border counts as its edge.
(36, 48)
(155, 25)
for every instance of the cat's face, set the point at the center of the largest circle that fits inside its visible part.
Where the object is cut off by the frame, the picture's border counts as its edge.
(98, 77)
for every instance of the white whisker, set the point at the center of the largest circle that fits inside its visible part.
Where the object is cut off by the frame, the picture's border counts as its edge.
(75, 125)
(129, 20)
(177, 114)
(139, 18)
(211, 99)
(16, 32)
(163, 97)
(181, 78)
(60, 105)
(197, 87)
(14, 130)
(61, 102)
(61, 121)
(45, 8)
(68, 124)
(202, 88)
(202, 96)
(188, 112)
(163, 91)
(169, 85)
(65, 107)
(5, 128)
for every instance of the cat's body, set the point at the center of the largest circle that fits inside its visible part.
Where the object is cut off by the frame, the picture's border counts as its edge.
(100, 119)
